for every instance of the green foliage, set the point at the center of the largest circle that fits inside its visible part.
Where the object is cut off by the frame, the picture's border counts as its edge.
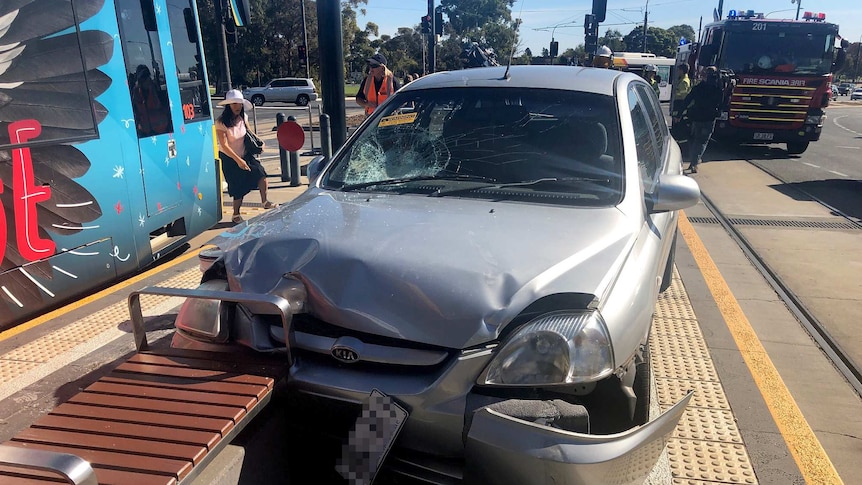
(660, 42)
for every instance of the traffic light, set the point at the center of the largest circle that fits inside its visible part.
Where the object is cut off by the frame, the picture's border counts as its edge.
(555, 48)
(438, 20)
(600, 8)
(300, 50)
(426, 24)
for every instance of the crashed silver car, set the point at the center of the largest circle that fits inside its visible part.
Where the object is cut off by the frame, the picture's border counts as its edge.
(486, 250)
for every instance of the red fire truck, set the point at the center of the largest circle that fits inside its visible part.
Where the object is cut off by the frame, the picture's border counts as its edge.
(777, 75)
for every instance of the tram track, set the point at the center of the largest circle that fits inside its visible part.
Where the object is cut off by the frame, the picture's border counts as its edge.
(839, 357)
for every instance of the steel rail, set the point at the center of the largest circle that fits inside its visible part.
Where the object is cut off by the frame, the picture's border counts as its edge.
(833, 350)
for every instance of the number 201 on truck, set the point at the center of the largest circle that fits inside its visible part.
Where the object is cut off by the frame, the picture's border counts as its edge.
(106, 144)
(776, 75)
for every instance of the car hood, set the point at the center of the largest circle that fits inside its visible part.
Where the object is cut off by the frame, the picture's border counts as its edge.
(443, 271)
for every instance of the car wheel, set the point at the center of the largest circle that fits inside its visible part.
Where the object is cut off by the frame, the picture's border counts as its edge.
(641, 387)
(302, 100)
(257, 100)
(797, 147)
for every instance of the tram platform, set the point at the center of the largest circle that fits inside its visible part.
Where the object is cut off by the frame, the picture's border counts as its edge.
(719, 331)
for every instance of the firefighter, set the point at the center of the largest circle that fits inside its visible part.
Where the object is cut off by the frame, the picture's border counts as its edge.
(604, 58)
(650, 75)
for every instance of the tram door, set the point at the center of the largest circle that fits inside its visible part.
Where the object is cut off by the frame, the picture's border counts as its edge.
(149, 88)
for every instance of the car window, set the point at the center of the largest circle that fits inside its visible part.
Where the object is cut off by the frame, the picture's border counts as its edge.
(548, 146)
(658, 125)
(280, 83)
(645, 140)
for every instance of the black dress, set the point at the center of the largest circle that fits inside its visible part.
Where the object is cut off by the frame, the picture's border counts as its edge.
(240, 182)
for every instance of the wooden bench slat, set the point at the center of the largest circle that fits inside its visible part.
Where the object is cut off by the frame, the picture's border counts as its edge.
(177, 469)
(107, 476)
(132, 446)
(200, 423)
(214, 398)
(144, 404)
(114, 428)
(167, 382)
(214, 361)
(193, 373)
(22, 476)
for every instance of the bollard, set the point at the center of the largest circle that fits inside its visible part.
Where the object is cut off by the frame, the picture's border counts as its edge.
(294, 163)
(282, 154)
(325, 138)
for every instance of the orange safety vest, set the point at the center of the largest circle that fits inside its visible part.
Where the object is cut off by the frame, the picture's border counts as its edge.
(376, 98)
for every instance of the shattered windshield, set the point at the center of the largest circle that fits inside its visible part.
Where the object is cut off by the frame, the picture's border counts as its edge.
(499, 143)
(777, 52)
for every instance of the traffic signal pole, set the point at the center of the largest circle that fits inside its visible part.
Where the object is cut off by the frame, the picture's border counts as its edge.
(432, 40)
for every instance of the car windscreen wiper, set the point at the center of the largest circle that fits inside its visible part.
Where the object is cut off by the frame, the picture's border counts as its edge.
(404, 180)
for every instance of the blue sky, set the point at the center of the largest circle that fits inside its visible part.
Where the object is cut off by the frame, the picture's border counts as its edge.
(541, 16)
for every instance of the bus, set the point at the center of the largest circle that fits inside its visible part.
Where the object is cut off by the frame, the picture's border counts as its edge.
(635, 62)
(107, 155)
(776, 74)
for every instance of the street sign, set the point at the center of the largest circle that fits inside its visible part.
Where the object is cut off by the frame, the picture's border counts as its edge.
(290, 136)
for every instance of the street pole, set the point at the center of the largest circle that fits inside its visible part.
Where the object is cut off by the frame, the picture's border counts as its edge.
(432, 39)
(329, 40)
(304, 37)
(646, 13)
(856, 65)
(798, 6)
(225, 61)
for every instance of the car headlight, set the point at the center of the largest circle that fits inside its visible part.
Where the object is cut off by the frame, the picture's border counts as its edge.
(814, 119)
(556, 348)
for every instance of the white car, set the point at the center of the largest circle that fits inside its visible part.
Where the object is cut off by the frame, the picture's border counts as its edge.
(296, 90)
(856, 94)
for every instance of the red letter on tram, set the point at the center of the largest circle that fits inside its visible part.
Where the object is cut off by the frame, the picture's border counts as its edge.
(26, 194)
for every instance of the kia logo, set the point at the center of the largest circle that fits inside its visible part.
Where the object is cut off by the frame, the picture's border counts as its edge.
(345, 354)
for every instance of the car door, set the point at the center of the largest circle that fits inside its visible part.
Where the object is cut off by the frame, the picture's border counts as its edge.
(275, 90)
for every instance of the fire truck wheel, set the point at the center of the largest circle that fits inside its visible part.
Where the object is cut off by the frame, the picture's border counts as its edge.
(797, 147)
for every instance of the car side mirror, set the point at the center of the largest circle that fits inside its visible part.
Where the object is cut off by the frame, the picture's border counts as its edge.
(315, 166)
(673, 192)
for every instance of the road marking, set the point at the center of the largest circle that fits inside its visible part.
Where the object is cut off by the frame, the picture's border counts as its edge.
(839, 125)
(811, 165)
(813, 462)
(852, 148)
(837, 173)
(96, 296)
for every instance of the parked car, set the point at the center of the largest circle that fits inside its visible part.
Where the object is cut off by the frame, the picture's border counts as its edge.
(486, 250)
(845, 88)
(300, 91)
(834, 90)
(857, 94)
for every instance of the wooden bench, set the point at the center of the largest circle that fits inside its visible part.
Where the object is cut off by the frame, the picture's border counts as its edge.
(158, 418)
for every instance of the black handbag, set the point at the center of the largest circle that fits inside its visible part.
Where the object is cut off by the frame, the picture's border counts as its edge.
(681, 130)
(253, 144)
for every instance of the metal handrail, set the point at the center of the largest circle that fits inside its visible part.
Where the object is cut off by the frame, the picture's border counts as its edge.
(73, 468)
(261, 304)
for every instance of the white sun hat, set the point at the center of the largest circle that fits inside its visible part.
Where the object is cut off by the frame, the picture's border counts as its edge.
(235, 96)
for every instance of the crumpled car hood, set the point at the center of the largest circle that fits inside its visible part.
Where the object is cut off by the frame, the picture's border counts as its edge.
(444, 271)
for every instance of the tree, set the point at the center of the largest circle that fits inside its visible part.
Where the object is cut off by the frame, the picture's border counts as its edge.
(659, 41)
(614, 40)
(680, 31)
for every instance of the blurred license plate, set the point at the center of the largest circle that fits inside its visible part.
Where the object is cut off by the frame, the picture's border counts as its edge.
(371, 438)
(763, 136)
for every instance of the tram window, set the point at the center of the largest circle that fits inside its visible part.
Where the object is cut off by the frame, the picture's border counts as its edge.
(187, 53)
(144, 67)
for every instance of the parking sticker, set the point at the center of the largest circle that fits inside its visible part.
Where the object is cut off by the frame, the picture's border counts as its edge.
(400, 119)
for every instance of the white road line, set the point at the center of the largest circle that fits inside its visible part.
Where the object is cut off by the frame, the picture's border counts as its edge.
(839, 125)
(810, 164)
(837, 173)
(852, 148)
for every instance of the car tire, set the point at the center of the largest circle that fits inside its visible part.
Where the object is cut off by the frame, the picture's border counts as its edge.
(797, 147)
(258, 100)
(302, 100)
(641, 387)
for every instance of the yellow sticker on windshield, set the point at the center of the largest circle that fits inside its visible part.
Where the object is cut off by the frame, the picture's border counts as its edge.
(398, 119)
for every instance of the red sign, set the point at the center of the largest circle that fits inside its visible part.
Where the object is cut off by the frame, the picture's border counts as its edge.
(291, 136)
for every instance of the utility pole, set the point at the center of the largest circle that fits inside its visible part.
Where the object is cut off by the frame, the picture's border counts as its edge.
(329, 40)
(646, 13)
(224, 63)
(304, 38)
(798, 6)
(432, 40)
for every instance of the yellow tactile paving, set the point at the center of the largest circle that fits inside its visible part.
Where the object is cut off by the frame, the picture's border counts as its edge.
(12, 369)
(706, 446)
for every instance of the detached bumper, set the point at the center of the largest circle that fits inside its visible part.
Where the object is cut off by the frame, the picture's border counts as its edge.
(505, 450)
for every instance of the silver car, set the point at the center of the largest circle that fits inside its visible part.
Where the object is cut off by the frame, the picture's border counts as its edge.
(486, 251)
(299, 91)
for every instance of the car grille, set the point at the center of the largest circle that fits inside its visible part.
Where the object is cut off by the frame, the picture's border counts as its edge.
(757, 106)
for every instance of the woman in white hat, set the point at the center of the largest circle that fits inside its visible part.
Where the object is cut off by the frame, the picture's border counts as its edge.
(242, 171)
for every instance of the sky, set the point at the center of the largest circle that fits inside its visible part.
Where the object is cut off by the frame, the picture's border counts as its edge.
(565, 18)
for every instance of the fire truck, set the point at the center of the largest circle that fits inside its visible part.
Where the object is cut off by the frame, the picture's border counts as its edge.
(776, 75)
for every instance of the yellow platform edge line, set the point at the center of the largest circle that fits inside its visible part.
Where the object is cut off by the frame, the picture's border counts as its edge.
(813, 462)
(96, 296)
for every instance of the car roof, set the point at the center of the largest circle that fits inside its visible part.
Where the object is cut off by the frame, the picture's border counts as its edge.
(586, 79)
